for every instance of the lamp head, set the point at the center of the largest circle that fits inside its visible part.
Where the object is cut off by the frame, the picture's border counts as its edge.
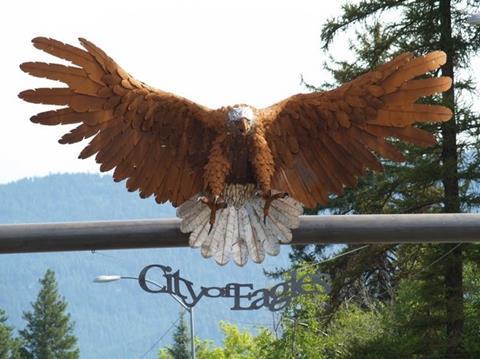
(107, 278)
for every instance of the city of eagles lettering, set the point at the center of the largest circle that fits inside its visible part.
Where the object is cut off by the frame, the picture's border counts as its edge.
(244, 297)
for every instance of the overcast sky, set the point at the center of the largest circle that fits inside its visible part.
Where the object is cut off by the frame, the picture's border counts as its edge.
(213, 52)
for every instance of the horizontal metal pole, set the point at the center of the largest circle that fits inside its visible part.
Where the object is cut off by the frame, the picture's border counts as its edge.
(162, 233)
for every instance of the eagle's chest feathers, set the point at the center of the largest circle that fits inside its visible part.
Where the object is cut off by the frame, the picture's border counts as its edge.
(238, 149)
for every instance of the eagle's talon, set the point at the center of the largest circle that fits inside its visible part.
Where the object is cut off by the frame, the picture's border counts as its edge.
(214, 206)
(269, 198)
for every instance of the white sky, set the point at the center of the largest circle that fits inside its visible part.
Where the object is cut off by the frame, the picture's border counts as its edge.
(214, 52)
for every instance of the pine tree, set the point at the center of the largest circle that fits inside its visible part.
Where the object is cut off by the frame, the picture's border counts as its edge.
(49, 331)
(440, 179)
(181, 341)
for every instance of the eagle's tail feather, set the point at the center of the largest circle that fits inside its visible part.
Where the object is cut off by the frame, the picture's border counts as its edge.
(257, 238)
(239, 231)
(239, 245)
(223, 241)
(193, 219)
(189, 207)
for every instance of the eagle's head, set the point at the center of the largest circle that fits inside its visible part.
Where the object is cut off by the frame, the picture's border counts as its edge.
(241, 117)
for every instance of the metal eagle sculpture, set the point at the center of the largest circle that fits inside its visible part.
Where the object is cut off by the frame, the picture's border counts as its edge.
(239, 176)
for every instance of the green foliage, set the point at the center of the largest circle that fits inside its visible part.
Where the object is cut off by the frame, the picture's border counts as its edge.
(49, 331)
(5, 336)
(351, 333)
(237, 344)
(311, 331)
(10, 347)
(472, 309)
(359, 333)
(377, 330)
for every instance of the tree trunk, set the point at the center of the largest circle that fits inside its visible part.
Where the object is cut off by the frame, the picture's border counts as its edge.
(454, 261)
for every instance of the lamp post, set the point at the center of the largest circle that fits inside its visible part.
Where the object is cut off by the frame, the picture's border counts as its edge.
(114, 278)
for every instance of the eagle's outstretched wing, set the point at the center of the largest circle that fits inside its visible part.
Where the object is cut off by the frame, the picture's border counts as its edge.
(323, 141)
(158, 141)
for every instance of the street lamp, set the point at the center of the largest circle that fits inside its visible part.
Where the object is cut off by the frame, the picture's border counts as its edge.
(114, 278)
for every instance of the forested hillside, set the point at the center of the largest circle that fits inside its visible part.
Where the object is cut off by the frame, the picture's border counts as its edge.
(114, 320)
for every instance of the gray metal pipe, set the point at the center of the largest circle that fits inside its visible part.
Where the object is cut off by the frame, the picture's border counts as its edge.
(162, 233)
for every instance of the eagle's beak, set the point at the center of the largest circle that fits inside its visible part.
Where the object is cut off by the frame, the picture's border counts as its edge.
(244, 125)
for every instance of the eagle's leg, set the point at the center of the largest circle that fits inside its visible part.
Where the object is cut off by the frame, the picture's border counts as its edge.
(264, 167)
(216, 172)
(214, 204)
(269, 198)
